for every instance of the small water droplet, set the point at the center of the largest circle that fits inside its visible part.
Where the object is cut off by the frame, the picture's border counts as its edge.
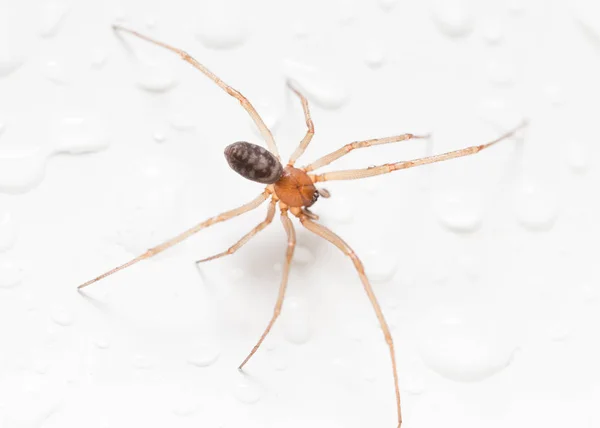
(248, 391)
(493, 33)
(8, 230)
(459, 211)
(51, 17)
(320, 87)
(387, 5)
(516, 6)
(501, 73)
(160, 136)
(11, 54)
(155, 77)
(56, 73)
(578, 156)
(453, 17)
(339, 210)
(554, 94)
(278, 361)
(300, 30)
(186, 406)
(295, 320)
(11, 274)
(413, 384)
(222, 24)
(465, 344)
(141, 362)
(78, 135)
(182, 121)
(302, 255)
(102, 343)
(535, 206)
(150, 23)
(204, 355)
(591, 292)
(380, 266)
(99, 59)
(559, 333)
(62, 317)
(21, 169)
(375, 55)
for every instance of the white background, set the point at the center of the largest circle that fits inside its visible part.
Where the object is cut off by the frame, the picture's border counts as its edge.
(486, 267)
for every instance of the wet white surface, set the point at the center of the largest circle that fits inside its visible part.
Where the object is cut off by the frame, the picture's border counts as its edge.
(485, 267)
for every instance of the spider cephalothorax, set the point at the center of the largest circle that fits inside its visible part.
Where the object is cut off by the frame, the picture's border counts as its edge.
(293, 191)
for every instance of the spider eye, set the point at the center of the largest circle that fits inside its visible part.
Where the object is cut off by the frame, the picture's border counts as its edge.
(315, 196)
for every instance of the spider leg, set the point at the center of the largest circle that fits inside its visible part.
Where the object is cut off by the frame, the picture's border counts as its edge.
(330, 236)
(247, 237)
(354, 174)
(291, 244)
(327, 159)
(177, 239)
(309, 124)
(265, 132)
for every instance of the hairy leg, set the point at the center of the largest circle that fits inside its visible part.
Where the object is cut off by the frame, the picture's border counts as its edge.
(354, 174)
(291, 244)
(177, 239)
(266, 133)
(247, 237)
(330, 236)
(309, 125)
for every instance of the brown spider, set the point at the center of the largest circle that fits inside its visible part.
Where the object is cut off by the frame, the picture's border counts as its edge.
(293, 189)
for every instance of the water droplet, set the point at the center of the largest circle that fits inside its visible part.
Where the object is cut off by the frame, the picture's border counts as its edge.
(55, 72)
(591, 292)
(295, 320)
(182, 121)
(150, 23)
(186, 406)
(2, 128)
(77, 135)
(380, 266)
(159, 136)
(302, 255)
(141, 362)
(222, 24)
(465, 344)
(559, 333)
(453, 17)
(11, 274)
(554, 94)
(52, 15)
(516, 6)
(62, 317)
(375, 55)
(21, 170)
(413, 384)
(278, 361)
(535, 206)
(339, 210)
(387, 5)
(11, 54)
(300, 30)
(248, 391)
(459, 211)
(102, 343)
(493, 33)
(320, 87)
(8, 230)
(501, 73)
(155, 77)
(578, 156)
(99, 59)
(41, 366)
(204, 355)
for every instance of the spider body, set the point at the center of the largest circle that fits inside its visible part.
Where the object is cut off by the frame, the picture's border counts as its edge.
(292, 190)
(295, 188)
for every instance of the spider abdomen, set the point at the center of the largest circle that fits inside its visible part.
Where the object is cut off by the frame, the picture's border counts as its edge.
(253, 162)
(295, 188)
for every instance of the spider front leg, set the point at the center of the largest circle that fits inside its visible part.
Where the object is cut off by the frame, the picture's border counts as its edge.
(264, 130)
(330, 236)
(177, 239)
(309, 125)
(354, 174)
(291, 244)
(247, 237)
(327, 159)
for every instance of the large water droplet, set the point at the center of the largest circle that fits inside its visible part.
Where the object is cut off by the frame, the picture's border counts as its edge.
(295, 320)
(465, 344)
(52, 14)
(75, 135)
(459, 211)
(8, 230)
(11, 273)
(302, 255)
(320, 87)
(222, 24)
(204, 355)
(21, 170)
(62, 317)
(380, 266)
(578, 156)
(536, 206)
(155, 77)
(248, 391)
(453, 17)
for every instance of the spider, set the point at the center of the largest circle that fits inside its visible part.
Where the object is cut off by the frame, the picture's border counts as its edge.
(293, 191)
